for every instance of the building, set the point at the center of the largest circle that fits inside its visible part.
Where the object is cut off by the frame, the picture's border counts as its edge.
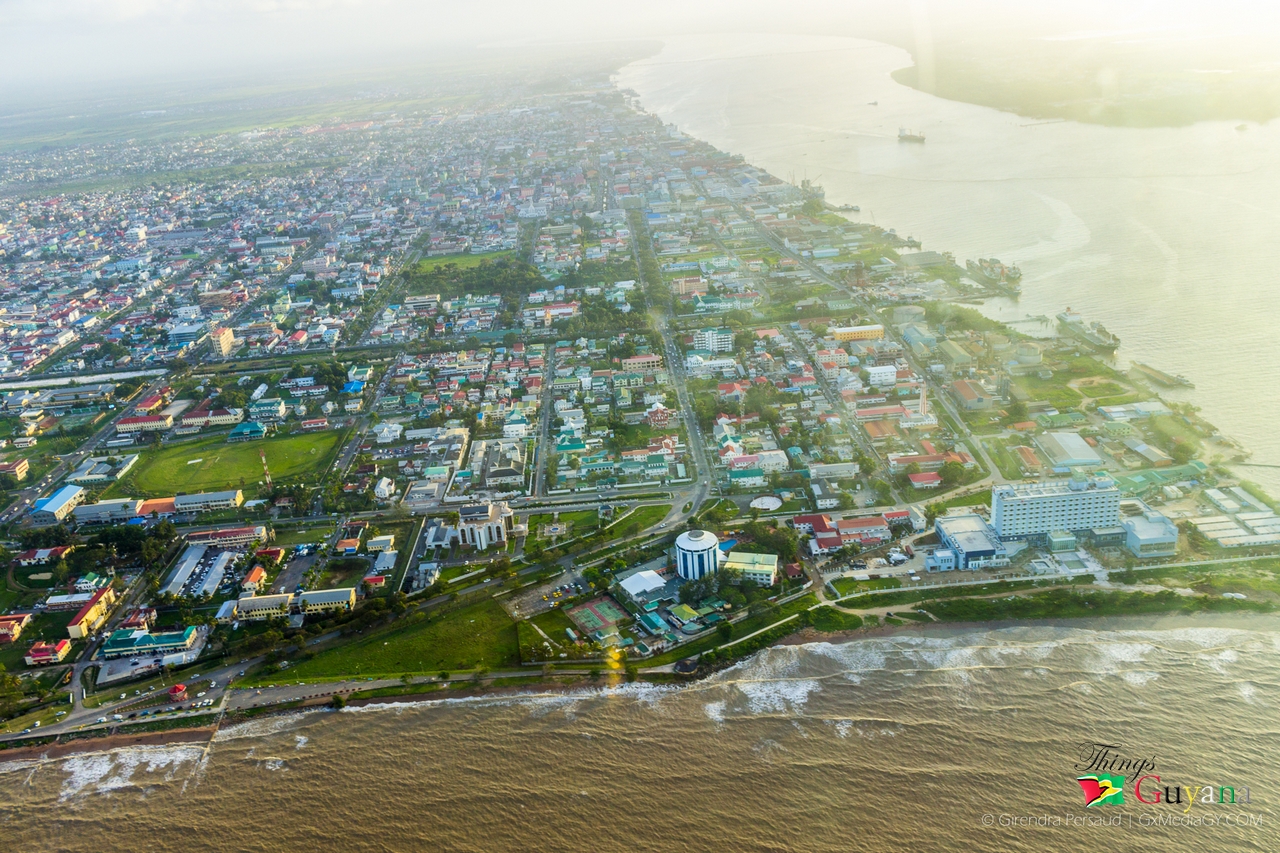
(107, 512)
(144, 423)
(270, 409)
(253, 608)
(93, 615)
(140, 641)
(325, 600)
(856, 333)
(223, 341)
(248, 431)
(1034, 510)
(1068, 450)
(55, 508)
(381, 543)
(102, 469)
(968, 542)
(484, 524)
(760, 569)
(255, 580)
(44, 654)
(17, 468)
(42, 556)
(971, 395)
(208, 501)
(697, 554)
(228, 537)
(1147, 533)
(11, 626)
(713, 340)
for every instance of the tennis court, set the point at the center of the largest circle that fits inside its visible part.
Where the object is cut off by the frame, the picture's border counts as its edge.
(599, 614)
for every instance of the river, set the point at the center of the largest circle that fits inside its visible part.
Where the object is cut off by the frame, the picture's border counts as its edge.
(1162, 234)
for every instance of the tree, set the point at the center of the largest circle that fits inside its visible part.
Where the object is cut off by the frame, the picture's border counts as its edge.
(338, 701)
(952, 473)
(725, 631)
(812, 208)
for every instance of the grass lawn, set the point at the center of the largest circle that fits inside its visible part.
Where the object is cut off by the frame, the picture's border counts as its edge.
(828, 620)
(1052, 391)
(848, 586)
(642, 517)
(482, 633)
(982, 498)
(583, 522)
(553, 623)
(461, 261)
(344, 572)
(223, 465)
(46, 626)
(286, 537)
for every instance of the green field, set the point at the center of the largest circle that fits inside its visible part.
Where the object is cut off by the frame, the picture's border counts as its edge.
(478, 634)
(462, 261)
(223, 465)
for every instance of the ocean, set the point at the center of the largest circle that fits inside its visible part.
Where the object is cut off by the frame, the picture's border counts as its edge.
(895, 742)
(1162, 234)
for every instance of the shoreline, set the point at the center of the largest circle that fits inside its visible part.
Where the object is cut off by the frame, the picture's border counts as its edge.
(206, 735)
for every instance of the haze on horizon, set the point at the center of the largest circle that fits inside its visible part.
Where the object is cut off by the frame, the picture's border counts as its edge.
(84, 48)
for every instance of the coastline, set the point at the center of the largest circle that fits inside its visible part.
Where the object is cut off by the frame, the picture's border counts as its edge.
(206, 735)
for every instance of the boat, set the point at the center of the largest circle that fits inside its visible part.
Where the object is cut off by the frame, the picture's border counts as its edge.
(1094, 334)
(875, 103)
(1160, 377)
(1006, 277)
(905, 135)
(851, 207)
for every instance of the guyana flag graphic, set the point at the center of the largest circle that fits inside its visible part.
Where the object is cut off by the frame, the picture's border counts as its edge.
(1102, 789)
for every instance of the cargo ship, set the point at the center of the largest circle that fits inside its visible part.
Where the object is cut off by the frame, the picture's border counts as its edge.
(905, 135)
(1159, 377)
(991, 271)
(1093, 334)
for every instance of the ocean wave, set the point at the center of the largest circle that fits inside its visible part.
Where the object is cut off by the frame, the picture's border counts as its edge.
(260, 727)
(105, 772)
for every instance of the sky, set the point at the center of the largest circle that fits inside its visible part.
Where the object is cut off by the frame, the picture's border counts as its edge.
(61, 47)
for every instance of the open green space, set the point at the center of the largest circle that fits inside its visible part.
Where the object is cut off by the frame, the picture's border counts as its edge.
(553, 623)
(48, 627)
(480, 633)
(214, 464)
(287, 537)
(461, 261)
(980, 498)
(848, 586)
(828, 620)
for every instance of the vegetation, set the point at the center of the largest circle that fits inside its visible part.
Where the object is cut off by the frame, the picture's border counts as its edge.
(213, 464)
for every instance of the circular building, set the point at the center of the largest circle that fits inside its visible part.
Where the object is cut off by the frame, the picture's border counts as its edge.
(697, 554)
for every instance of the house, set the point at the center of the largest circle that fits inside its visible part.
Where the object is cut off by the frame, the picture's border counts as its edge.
(11, 626)
(384, 489)
(381, 543)
(255, 581)
(347, 547)
(41, 556)
(925, 480)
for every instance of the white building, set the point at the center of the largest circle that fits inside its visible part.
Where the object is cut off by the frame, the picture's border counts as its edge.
(697, 554)
(713, 340)
(883, 375)
(1020, 511)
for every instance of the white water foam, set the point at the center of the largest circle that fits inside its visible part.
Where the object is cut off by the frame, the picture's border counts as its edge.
(104, 772)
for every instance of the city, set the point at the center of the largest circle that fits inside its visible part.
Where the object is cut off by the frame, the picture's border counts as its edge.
(637, 406)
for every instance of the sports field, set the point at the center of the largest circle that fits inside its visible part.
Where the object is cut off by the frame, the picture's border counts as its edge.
(213, 464)
(597, 614)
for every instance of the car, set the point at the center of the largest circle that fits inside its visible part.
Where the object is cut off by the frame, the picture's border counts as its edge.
(200, 694)
(102, 719)
(242, 672)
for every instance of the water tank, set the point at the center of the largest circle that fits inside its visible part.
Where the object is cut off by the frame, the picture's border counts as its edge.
(904, 314)
(1028, 353)
(999, 343)
(697, 554)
